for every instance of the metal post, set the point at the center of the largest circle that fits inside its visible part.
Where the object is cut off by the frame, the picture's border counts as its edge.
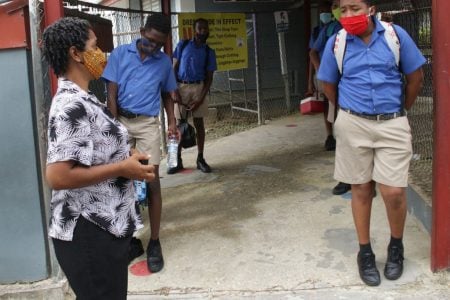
(245, 87)
(40, 111)
(284, 70)
(230, 93)
(440, 237)
(53, 11)
(258, 79)
(166, 10)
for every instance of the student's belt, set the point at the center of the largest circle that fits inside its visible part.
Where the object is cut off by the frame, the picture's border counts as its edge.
(379, 117)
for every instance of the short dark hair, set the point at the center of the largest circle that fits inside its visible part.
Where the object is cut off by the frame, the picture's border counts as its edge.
(158, 22)
(199, 20)
(369, 2)
(59, 37)
(324, 3)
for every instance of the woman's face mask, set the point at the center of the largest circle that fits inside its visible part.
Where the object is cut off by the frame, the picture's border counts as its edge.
(325, 18)
(95, 62)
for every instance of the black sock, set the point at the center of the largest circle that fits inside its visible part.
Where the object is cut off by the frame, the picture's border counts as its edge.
(366, 248)
(200, 156)
(153, 242)
(396, 242)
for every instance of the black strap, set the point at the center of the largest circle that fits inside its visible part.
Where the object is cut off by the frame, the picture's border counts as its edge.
(187, 112)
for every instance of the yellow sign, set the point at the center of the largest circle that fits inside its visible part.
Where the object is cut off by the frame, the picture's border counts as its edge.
(227, 36)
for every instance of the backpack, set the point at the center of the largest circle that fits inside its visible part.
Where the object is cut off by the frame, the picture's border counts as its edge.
(330, 29)
(184, 44)
(340, 44)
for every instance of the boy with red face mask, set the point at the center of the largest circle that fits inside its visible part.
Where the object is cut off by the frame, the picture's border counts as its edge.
(372, 131)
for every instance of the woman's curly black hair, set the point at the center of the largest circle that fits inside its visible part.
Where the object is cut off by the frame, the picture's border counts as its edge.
(158, 22)
(59, 37)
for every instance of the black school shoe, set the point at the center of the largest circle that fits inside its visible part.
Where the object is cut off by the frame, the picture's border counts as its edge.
(367, 269)
(135, 249)
(176, 169)
(203, 166)
(155, 261)
(341, 188)
(394, 264)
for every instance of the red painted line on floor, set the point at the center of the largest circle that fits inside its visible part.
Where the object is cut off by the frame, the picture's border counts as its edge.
(140, 269)
(187, 171)
(291, 125)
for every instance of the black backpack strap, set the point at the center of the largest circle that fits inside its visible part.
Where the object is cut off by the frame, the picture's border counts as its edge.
(207, 58)
(183, 45)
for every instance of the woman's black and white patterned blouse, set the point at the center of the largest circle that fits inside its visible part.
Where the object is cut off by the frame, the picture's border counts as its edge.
(82, 130)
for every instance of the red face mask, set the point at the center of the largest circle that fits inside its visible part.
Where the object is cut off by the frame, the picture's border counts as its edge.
(355, 25)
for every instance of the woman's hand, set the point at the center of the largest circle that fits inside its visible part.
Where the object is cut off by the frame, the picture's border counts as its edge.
(134, 169)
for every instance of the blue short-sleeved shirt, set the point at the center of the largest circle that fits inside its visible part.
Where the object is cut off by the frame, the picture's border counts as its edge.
(192, 63)
(140, 83)
(314, 34)
(371, 82)
(325, 33)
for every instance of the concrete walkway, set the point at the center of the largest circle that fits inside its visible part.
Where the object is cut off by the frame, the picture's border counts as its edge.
(264, 225)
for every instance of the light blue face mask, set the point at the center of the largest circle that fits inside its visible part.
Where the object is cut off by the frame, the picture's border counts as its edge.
(325, 18)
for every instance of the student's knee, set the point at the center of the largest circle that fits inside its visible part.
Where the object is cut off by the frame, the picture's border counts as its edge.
(394, 197)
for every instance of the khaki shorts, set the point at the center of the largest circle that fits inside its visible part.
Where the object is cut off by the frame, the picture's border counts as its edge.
(144, 135)
(372, 150)
(189, 93)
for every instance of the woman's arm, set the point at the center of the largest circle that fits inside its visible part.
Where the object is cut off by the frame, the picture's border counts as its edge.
(69, 175)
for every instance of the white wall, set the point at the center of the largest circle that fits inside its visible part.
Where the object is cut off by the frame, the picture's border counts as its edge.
(183, 5)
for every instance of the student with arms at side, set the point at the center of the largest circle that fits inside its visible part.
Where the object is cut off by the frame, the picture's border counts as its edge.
(137, 75)
(194, 63)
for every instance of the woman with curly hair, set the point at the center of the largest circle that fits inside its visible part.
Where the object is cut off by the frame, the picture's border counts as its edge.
(89, 168)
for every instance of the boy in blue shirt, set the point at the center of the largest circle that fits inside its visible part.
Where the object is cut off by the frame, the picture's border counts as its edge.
(315, 54)
(137, 75)
(372, 131)
(194, 63)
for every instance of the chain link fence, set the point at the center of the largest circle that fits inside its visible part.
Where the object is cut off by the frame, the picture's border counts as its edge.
(415, 17)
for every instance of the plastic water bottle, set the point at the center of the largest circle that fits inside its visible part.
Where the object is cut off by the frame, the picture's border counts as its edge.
(172, 152)
(140, 187)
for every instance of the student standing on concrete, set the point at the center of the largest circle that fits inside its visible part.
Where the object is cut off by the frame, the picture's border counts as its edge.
(316, 53)
(372, 131)
(137, 74)
(89, 168)
(325, 17)
(194, 63)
